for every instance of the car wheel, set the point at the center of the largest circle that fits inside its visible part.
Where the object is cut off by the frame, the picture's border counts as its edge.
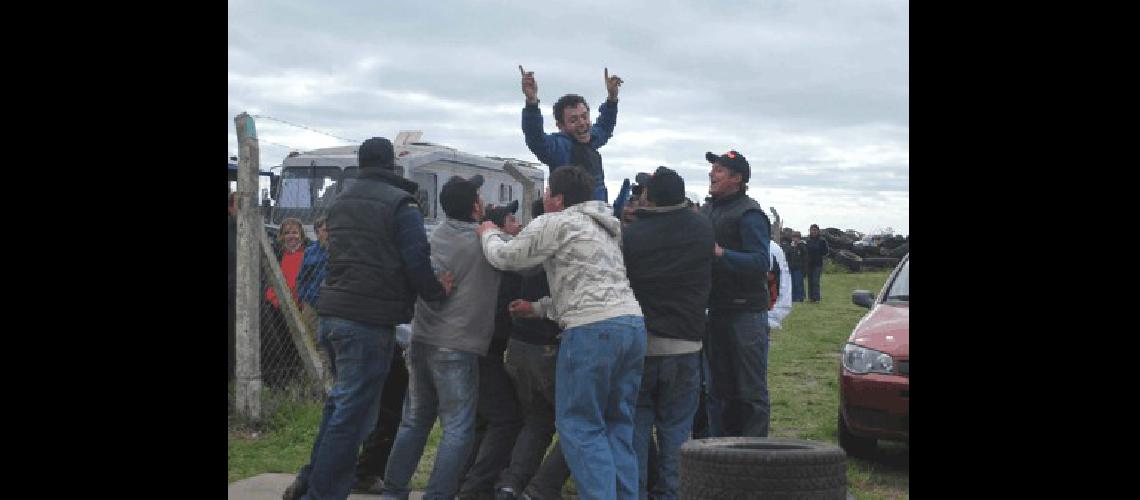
(856, 446)
(748, 467)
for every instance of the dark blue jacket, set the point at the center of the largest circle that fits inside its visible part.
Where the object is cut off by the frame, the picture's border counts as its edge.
(817, 248)
(555, 149)
(312, 272)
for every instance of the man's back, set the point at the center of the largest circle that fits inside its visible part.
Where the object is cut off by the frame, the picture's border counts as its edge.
(465, 321)
(668, 254)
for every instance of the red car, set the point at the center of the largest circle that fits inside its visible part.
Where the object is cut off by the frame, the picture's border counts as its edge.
(874, 377)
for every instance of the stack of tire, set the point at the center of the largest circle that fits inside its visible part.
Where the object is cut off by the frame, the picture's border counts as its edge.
(746, 467)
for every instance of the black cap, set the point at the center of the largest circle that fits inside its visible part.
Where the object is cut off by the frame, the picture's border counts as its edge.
(665, 187)
(458, 195)
(375, 152)
(734, 161)
(498, 215)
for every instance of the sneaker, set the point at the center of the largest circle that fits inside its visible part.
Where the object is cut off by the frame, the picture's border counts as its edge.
(372, 485)
(505, 493)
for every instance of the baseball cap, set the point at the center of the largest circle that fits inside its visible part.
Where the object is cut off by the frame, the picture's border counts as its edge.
(734, 161)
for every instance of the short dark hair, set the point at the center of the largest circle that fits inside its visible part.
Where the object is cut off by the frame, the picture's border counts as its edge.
(665, 187)
(322, 221)
(813, 226)
(458, 197)
(572, 100)
(537, 208)
(573, 183)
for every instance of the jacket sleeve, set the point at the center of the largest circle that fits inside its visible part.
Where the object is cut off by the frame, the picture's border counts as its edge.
(543, 145)
(536, 243)
(754, 258)
(415, 252)
(603, 127)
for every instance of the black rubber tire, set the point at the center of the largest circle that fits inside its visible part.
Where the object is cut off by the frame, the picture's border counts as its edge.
(900, 251)
(887, 262)
(848, 259)
(742, 467)
(856, 446)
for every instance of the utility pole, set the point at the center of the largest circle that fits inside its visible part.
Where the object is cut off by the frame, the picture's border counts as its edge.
(248, 329)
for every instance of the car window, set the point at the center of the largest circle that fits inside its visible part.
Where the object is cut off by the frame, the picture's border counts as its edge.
(900, 289)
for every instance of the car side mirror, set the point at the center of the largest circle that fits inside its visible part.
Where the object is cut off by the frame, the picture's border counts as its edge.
(863, 298)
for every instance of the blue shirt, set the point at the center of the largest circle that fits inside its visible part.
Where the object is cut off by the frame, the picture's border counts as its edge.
(415, 252)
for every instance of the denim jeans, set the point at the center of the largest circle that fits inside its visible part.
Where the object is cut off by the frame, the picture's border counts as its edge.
(797, 285)
(498, 421)
(441, 382)
(374, 452)
(532, 368)
(359, 357)
(599, 373)
(667, 400)
(737, 349)
(814, 275)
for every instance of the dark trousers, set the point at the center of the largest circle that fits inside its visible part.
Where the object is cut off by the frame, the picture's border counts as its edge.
(815, 274)
(498, 421)
(737, 349)
(374, 452)
(797, 285)
(532, 368)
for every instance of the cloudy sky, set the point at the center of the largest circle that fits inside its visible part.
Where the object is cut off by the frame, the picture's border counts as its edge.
(815, 93)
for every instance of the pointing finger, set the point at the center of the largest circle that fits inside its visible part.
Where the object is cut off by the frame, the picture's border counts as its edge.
(521, 70)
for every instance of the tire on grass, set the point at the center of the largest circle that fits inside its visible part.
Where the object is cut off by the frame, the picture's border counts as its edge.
(745, 467)
(856, 446)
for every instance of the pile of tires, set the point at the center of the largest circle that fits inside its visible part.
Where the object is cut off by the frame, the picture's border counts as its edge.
(745, 468)
(848, 259)
(880, 262)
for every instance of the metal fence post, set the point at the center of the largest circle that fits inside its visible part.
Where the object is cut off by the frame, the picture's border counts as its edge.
(247, 393)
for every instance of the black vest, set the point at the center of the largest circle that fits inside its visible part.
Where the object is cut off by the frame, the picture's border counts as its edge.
(585, 156)
(668, 258)
(366, 281)
(735, 290)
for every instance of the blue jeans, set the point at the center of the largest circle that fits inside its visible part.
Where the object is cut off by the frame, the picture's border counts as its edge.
(737, 350)
(814, 275)
(441, 382)
(359, 357)
(667, 400)
(797, 285)
(595, 391)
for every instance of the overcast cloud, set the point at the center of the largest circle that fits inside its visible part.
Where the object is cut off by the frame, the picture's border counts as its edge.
(815, 93)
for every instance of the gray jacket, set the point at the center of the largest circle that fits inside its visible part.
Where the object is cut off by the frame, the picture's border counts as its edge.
(465, 320)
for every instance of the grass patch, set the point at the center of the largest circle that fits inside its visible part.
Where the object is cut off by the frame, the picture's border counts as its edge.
(802, 379)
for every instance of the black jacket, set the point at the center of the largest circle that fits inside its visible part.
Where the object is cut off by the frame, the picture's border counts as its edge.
(532, 330)
(743, 291)
(366, 278)
(816, 249)
(796, 255)
(668, 258)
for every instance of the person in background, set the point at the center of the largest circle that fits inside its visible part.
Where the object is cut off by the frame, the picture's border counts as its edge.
(817, 249)
(311, 275)
(576, 142)
(532, 356)
(796, 254)
(280, 361)
(498, 419)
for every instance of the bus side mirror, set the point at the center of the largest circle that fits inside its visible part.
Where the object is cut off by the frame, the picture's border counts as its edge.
(274, 185)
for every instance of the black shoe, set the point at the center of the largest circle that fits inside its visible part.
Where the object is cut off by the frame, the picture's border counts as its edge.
(296, 490)
(372, 485)
(505, 494)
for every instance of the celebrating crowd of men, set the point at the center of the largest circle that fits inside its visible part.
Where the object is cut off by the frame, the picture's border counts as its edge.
(602, 328)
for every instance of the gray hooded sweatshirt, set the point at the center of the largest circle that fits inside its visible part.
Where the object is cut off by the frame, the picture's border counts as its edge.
(580, 249)
(465, 320)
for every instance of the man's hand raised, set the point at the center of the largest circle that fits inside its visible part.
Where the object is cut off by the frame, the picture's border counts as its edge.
(613, 84)
(529, 86)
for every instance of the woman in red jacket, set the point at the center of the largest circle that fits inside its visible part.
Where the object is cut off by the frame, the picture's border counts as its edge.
(280, 362)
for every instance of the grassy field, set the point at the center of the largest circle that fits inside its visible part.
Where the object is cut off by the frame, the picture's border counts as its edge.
(803, 386)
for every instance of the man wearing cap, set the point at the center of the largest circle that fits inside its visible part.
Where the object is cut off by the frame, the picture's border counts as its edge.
(498, 418)
(578, 243)
(669, 265)
(443, 357)
(737, 345)
(378, 265)
(576, 142)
